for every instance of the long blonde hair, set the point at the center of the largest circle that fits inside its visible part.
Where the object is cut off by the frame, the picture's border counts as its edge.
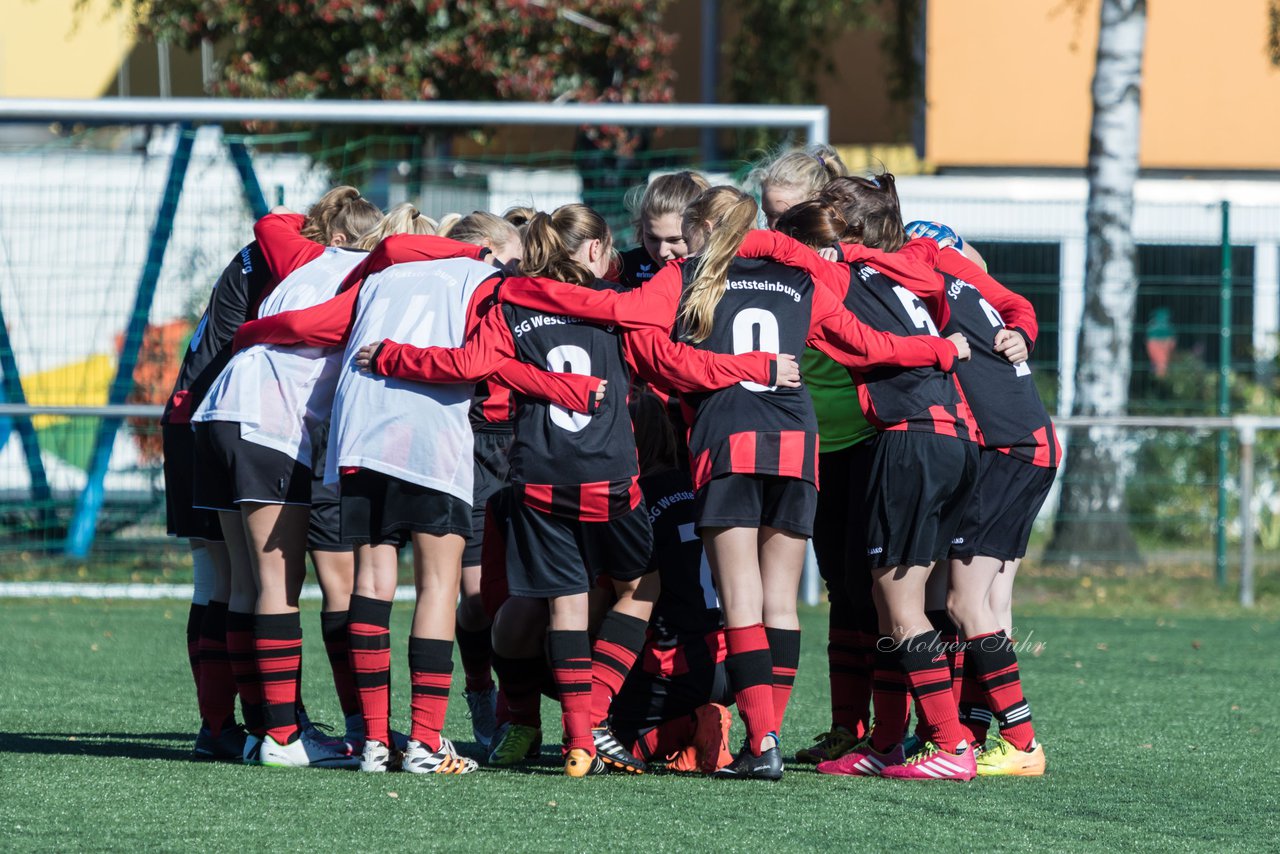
(404, 218)
(805, 170)
(479, 228)
(342, 210)
(550, 241)
(729, 213)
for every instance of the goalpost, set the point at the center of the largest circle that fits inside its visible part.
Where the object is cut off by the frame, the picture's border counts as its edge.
(112, 230)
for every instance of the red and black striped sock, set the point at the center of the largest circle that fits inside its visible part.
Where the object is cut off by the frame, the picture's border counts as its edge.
(244, 669)
(571, 667)
(217, 682)
(519, 682)
(337, 646)
(665, 739)
(850, 657)
(890, 696)
(996, 666)
(476, 651)
(974, 713)
(277, 646)
(784, 649)
(369, 636)
(749, 667)
(431, 674)
(949, 633)
(195, 619)
(614, 653)
(927, 669)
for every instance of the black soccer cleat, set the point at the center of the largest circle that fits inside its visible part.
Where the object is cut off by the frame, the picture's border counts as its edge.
(745, 766)
(228, 746)
(610, 751)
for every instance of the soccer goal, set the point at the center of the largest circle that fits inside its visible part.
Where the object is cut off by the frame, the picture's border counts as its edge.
(117, 215)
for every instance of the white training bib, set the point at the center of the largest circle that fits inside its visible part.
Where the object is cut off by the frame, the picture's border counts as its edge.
(413, 431)
(279, 394)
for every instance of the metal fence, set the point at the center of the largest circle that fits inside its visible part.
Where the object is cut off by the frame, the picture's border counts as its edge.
(79, 216)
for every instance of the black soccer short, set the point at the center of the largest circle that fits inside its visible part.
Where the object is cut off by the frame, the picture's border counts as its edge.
(755, 501)
(184, 520)
(998, 517)
(324, 528)
(647, 700)
(379, 509)
(493, 472)
(919, 485)
(557, 556)
(230, 470)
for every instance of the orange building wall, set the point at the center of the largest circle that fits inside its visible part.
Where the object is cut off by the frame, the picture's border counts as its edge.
(1007, 83)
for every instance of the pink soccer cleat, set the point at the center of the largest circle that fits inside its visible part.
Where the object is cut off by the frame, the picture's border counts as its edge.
(932, 763)
(862, 760)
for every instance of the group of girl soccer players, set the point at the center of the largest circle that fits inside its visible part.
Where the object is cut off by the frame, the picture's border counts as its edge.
(609, 467)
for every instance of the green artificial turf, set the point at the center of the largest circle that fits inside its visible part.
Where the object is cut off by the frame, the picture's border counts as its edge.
(1160, 732)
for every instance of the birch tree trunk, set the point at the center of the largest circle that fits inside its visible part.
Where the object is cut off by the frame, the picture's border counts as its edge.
(1092, 520)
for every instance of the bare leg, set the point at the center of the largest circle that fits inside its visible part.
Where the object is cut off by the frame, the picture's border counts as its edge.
(1002, 595)
(277, 539)
(969, 596)
(735, 562)
(781, 565)
(336, 572)
(437, 571)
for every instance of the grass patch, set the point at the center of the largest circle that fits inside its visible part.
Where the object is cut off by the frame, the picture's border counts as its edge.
(1138, 715)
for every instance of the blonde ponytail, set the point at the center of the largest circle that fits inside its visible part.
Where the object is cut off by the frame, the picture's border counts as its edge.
(550, 241)
(730, 214)
(404, 218)
(342, 210)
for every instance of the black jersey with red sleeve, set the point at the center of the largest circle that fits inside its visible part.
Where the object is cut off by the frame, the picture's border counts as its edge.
(1002, 396)
(638, 267)
(750, 428)
(236, 294)
(895, 398)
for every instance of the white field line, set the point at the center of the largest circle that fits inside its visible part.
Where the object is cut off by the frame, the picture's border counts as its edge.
(77, 590)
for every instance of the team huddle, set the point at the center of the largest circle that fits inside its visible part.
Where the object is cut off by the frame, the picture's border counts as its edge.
(608, 467)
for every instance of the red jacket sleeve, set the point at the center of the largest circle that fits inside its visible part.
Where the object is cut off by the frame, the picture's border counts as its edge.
(280, 239)
(651, 305)
(324, 325)
(839, 334)
(912, 266)
(1016, 309)
(576, 392)
(787, 250)
(403, 248)
(687, 369)
(481, 355)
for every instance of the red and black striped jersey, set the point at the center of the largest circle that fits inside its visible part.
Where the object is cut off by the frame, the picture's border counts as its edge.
(235, 298)
(638, 267)
(896, 398)
(750, 428)
(1002, 396)
(688, 607)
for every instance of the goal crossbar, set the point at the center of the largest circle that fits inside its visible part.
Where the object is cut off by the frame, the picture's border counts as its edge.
(813, 119)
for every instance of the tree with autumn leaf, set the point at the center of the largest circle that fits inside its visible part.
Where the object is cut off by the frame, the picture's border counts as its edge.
(531, 50)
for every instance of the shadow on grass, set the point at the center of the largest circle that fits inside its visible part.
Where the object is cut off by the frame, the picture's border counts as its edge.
(114, 745)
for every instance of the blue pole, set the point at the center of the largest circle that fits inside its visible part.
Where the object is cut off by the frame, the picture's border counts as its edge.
(248, 178)
(80, 534)
(13, 393)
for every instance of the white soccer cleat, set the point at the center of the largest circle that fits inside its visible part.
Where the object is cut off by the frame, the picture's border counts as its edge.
(376, 757)
(304, 752)
(420, 759)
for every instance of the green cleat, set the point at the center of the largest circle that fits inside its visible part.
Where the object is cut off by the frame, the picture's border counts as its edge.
(515, 744)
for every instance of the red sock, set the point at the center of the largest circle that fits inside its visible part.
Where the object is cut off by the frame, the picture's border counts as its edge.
(850, 657)
(244, 669)
(333, 625)
(195, 617)
(891, 698)
(784, 649)
(996, 666)
(613, 655)
(217, 682)
(750, 669)
(666, 739)
(476, 652)
(928, 672)
(277, 645)
(519, 683)
(949, 636)
(369, 637)
(431, 672)
(571, 666)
